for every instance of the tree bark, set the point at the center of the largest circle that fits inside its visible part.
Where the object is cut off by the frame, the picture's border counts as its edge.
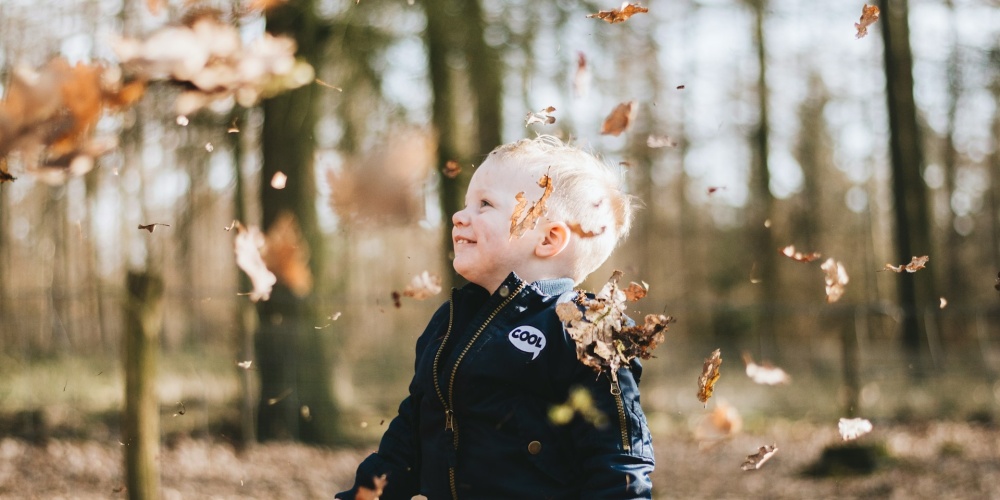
(141, 426)
(915, 291)
(288, 145)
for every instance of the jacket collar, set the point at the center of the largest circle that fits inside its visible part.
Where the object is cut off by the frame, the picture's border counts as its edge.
(550, 287)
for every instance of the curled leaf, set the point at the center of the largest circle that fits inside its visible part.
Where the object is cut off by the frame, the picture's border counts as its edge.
(247, 246)
(869, 14)
(916, 264)
(451, 169)
(765, 373)
(755, 461)
(519, 225)
(836, 279)
(150, 227)
(852, 428)
(621, 15)
(795, 255)
(619, 120)
(709, 376)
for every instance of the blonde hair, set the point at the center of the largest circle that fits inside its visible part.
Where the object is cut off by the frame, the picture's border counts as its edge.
(587, 193)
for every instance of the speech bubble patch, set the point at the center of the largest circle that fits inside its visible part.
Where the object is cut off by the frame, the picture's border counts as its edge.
(527, 339)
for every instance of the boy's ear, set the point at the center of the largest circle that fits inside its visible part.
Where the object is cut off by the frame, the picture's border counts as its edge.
(554, 240)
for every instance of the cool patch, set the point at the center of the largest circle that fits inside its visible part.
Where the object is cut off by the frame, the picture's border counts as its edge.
(527, 339)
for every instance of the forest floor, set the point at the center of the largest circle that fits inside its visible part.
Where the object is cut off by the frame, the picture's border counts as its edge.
(932, 460)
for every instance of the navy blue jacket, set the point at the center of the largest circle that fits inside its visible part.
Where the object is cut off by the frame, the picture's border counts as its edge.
(475, 425)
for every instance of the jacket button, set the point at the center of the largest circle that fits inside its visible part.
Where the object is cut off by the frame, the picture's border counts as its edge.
(535, 447)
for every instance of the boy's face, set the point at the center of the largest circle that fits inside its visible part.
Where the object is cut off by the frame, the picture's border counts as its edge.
(484, 251)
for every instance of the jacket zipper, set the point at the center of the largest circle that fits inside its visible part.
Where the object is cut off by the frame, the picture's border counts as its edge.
(616, 391)
(449, 407)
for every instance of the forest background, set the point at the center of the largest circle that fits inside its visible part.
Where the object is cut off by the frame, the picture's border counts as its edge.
(756, 125)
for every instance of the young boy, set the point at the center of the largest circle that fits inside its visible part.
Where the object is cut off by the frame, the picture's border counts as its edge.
(495, 359)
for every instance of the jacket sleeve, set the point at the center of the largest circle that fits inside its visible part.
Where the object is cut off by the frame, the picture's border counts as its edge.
(616, 453)
(398, 455)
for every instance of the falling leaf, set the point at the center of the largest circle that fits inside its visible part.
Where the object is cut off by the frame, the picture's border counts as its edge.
(287, 254)
(836, 278)
(396, 299)
(869, 14)
(636, 291)
(791, 253)
(244, 364)
(278, 180)
(598, 325)
(233, 128)
(150, 227)
(660, 141)
(154, 6)
(519, 225)
(423, 286)
(209, 147)
(619, 120)
(713, 189)
(723, 422)
(181, 410)
(620, 15)
(581, 79)
(275, 400)
(232, 225)
(916, 264)
(544, 117)
(577, 229)
(709, 376)
(765, 373)
(4, 174)
(680, 87)
(247, 246)
(852, 428)
(944, 303)
(182, 120)
(451, 169)
(373, 493)
(755, 461)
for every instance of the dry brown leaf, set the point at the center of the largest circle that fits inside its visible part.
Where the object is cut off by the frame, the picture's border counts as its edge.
(577, 229)
(836, 278)
(660, 141)
(916, 264)
(366, 493)
(713, 189)
(598, 325)
(451, 169)
(519, 225)
(423, 286)
(626, 11)
(150, 227)
(709, 376)
(852, 428)
(724, 421)
(869, 14)
(765, 373)
(755, 461)
(279, 180)
(544, 117)
(795, 255)
(287, 254)
(248, 244)
(396, 299)
(636, 291)
(581, 79)
(619, 120)
(944, 303)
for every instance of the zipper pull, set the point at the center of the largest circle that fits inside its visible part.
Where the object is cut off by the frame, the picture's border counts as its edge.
(616, 390)
(449, 420)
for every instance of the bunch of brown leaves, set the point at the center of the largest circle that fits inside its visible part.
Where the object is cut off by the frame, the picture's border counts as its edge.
(604, 338)
(49, 114)
(209, 58)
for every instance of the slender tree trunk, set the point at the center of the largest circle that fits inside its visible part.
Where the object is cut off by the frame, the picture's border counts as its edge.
(293, 351)
(762, 200)
(143, 320)
(915, 291)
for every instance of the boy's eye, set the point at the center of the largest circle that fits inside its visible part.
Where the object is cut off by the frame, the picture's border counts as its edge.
(484, 204)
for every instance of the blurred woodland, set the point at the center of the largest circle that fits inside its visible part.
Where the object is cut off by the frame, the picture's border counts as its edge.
(755, 125)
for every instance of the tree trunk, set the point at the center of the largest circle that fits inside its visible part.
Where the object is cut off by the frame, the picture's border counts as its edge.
(762, 201)
(141, 426)
(915, 291)
(298, 358)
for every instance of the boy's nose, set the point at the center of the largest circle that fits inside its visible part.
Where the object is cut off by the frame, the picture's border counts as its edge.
(460, 218)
